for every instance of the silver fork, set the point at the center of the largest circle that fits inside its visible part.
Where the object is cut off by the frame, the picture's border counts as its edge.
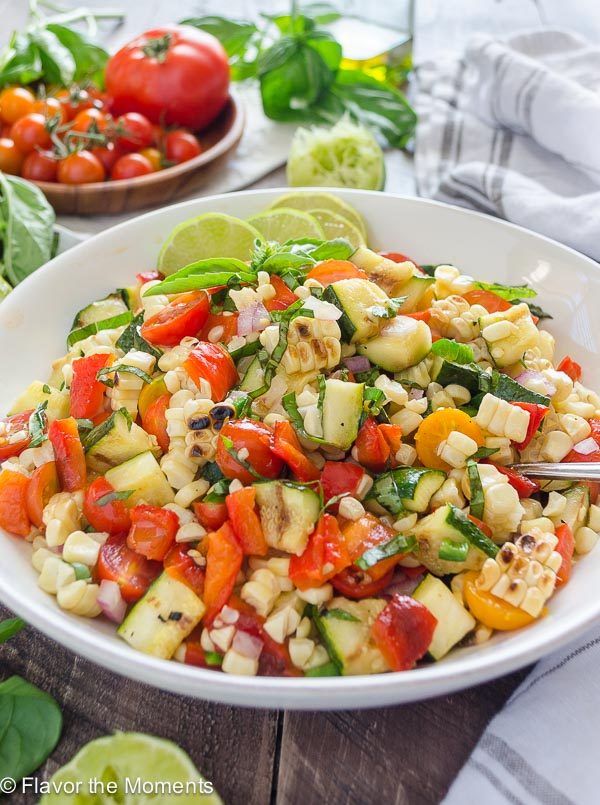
(580, 471)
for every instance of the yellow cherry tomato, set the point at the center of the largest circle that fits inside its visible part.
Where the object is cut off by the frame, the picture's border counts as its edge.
(436, 428)
(150, 393)
(153, 156)
(492, 611)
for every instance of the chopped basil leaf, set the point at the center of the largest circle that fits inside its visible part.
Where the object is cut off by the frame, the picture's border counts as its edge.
(290, 406)
(340, 615)
(453, 351)
(508, 292)
(535, 310)
(9, 628)
(394, 546)
(250, 348)
(110, 497)
(38, 424)
(211, 472)
(483, 452)
(131, 338)
(213, 658)
(46, 389)
(102, 375)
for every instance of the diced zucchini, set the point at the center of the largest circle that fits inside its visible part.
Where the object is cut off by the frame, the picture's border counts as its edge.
(143, 475)
(254, 376)
(510, 349)
(345, 627)
(288, 513)
(408, 488)
(36, 393)
(453, 620)
(578, 504)
(114, 441)
(355, 298)
(163, 618)
(386, 273)
(477, 381)
(448, 523)
(342, 409)
(414, 290)
(446, 372)
(112, 305)
(402, 342)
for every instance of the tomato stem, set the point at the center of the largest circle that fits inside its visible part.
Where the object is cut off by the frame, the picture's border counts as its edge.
(158, 48)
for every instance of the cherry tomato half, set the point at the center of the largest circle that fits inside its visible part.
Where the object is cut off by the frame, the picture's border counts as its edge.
(255, 438)
(112, 516)
(356, 583)
(184, 316)
(9, 427)
(132, 572)
(42, 485)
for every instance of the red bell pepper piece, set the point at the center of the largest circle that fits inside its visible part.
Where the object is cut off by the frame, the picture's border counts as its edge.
(212, 362)
(113, 517)
(211, 515)
(570, 368)
(393, 436)
(373, 451)
(365, 533)
(68, 451)
(524, 486)
(284, 297)
(180, 566)
(284, 443)
(87, 393)
(324, 557)
(13, 503)
(565, 547)
(153, 531)
(246, 522)
(340, 477)
(226, 320)
(223, 563)
(536, 414)
(403, 632)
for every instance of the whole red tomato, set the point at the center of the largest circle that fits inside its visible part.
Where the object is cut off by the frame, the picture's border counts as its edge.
(175, 75)
(80, 168)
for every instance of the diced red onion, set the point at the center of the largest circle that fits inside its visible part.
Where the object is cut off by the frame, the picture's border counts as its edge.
(247, 644)
(538, 379)
(416, 394)
(249, 319)
(402, 584)
(229, 615)
(586, 447)
(111, 601)
(357, 363)
(322, 310)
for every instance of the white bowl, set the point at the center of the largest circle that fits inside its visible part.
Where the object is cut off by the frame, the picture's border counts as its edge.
(34, 322)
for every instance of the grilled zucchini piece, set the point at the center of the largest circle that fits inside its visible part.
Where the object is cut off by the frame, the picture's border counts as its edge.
(402, 342)
(288, 513)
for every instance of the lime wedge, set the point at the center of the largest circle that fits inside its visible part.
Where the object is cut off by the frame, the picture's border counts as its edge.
(284, 224)
(308, 200)
(336, 226)
(142, 768)
(345, 155)
(213, 234)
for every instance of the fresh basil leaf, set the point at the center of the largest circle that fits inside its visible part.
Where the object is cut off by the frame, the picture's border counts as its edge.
(239, 38)
(340, 615)
(484, 452)
(102, 375)
(58, 64)
(336, 249)
(90, 59)
(290, 406)
(218, 491)
(26, 228)
(508, 292)
(211, 472)
(394, 546)
(9, 628)
(453, 351)
(196, 282)
(213, 658)
(20, 62)
(430, 268)
(110, 497)
(30, 726)
(249, 348)
(131, 338)
(97, 326)
(38, 424)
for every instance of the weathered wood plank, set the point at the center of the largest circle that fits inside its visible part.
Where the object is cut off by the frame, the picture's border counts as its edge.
(406, 755)
(233, 747)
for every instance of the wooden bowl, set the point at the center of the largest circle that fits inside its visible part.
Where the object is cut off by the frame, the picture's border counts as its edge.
(162, 187)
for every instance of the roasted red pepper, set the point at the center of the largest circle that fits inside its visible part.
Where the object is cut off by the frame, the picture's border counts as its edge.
(284, 443)
(13, 503)
(181, 566)
(565, 547)
(524, 486)
(153, 531)
(87, 393)
(570, 368)
(536, 414)
(324, 557)
(340, 477)
(223, 563)
(68, 451)
(372, 448)
(246, 522)
(403, 632)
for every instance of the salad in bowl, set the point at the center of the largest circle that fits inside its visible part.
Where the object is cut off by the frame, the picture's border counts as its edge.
(299, 463)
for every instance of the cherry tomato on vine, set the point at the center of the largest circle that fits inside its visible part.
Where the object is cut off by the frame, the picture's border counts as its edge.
(30, 132)
(153, 156)
(106, 154)
(11, 159)
(50, 108)
(15, 103)
(80, 168)
(74, 100)
(39, 167)
(131, 165)
(180, 146)
(90, 120)
(137, 132)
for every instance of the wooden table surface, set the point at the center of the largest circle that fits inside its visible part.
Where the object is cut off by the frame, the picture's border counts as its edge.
(407, 754)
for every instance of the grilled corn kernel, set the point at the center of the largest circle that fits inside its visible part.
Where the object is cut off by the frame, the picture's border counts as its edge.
(236, 663)
(585, 539)
(80, 598)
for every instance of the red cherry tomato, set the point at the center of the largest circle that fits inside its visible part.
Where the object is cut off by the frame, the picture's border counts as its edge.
(227, 321)
(213, 363)
(112, 516)
(81, 167)
(185, 315)
(181, 566)
(487, 299)
(255, 438)
(181, 146)
(131, 165)
(107, 155)
(135, 132)
(153, 531)
(90, 120)
(50, 108)
(9, 427)
(42, 485)
(29, 133)
(175, 75)
(39, 167)
(11, 159)
(75, 100)
(356, 583)
(15, 103)
(211, 515)
(13, 503)
(132, 572)
(153, 156)
(154, 421)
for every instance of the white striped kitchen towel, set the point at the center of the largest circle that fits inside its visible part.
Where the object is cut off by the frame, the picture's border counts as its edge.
(513, 129)
(542, 748)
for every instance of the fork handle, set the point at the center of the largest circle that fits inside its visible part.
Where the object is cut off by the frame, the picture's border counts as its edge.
(580, 471)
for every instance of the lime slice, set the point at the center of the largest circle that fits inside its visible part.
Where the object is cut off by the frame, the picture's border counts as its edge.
(323, 201)
(345, 155)
(336, 226)
(144, 770)
(284, 224)
(213, 234)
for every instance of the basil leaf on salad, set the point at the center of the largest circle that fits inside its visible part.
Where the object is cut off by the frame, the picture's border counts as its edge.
(38, 425)
(131, 338)
(394, 546)
(110, 497)
(508, 292)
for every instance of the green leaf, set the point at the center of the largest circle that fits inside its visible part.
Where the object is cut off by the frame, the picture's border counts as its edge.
(340, 615)
(38, 424)
(58, 64)
(453, 351)
(26, 228)
(89, 58)
(102, 375)
(453, 551)
(20, 61)
(9, 628)
(239, 38)
(477, 504)
(508, 292)
(30, 726)
(213, 658)
(82, 572)
(290, 406)
(110, 497)
(131, 338)
(484, 452)
(394, 546)
(534, 309)
(204, 274)
(97, 326)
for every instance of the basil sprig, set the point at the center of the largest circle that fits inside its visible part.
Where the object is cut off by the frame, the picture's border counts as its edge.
(131, 338)
(394, 546)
